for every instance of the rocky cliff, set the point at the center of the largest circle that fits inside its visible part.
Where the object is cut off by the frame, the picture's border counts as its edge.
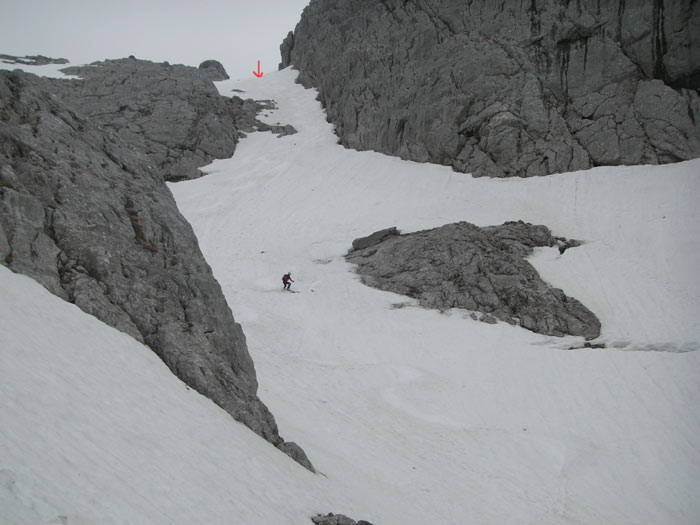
(172, 113)
(479, 269)
(507, 88)
(85, 211)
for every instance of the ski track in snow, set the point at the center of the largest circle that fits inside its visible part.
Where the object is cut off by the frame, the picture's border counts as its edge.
(413, 416)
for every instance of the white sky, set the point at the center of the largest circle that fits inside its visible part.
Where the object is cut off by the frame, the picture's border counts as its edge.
(238, 33)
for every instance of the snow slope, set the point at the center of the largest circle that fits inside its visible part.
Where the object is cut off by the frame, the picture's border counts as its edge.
(94, 428)
(437, 418)
(411, 416)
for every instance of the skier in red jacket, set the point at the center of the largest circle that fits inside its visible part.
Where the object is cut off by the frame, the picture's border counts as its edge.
(287, 280)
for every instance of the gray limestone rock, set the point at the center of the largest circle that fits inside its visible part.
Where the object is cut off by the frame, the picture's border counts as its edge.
(172, 113)
(479, 269)
(214, 70)
(279, 130)
(336, 519)
(32, 60)
(286, 50)
(87, 213)
(506, 88)
(246, 117)
(246, 111)
(295, 452)
(375, 238)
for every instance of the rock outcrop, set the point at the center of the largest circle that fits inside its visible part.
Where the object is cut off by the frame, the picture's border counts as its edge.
(85, 211)
(172, 113)
(479, 269)
(506, 88)
(336, 519)
(32, 60)
(214, 69)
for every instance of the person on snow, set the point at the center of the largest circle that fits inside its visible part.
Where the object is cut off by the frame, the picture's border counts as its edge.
(287, 280)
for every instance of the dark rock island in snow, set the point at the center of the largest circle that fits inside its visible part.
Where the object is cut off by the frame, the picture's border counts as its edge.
(84, 210)
(479, 269)
(336, 519)
(507, 88)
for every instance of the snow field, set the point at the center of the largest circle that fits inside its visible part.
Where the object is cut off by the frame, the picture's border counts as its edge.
(412, 416)
(444, 418)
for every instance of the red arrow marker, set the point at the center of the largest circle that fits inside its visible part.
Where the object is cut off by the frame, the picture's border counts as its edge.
(259, 73)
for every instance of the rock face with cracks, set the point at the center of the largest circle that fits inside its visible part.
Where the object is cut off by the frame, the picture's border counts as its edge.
(479, 269)
(172, 113)
(507, 88)
(85, 211)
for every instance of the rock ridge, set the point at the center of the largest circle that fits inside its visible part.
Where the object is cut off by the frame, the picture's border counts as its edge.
(506, 88)
(32, 60)
(173, 113)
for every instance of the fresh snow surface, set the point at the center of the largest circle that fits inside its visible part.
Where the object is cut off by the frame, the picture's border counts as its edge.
(411, 416)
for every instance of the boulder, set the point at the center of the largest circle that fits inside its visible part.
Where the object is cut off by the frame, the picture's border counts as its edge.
(214, 70)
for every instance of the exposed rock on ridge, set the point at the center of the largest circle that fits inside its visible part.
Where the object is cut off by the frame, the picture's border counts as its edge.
(32, 60)
(88, 215)
(214, 70)
(173, 113)
(480, 269)
(507, 88)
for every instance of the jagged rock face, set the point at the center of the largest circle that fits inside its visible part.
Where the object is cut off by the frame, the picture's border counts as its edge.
(507, 88)
(214, 70)
(87, 215)
(286, 50)
(173, 113)
(479, 269)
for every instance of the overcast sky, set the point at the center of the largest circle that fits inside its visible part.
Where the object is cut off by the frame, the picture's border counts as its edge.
(238, 33)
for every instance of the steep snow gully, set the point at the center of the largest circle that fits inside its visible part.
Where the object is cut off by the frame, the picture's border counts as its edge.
(411, 416)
